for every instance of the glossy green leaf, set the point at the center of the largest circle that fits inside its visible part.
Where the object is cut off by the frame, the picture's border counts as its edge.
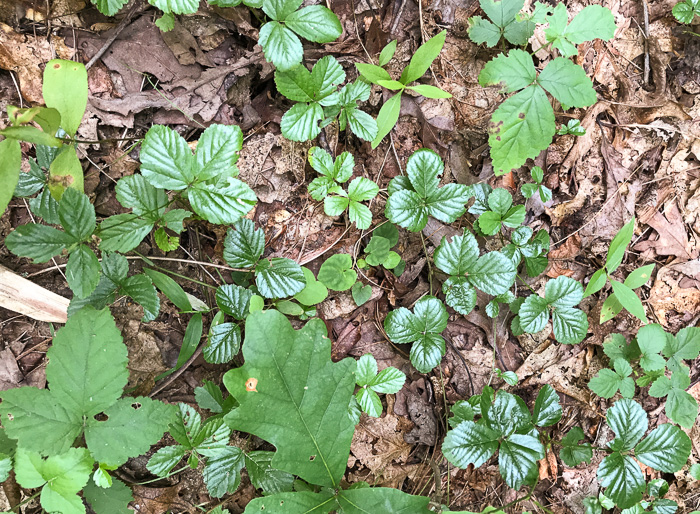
(166, 160)
(629, 422)
(223, 344)
(280, 45)
(279, 277)
(10, 161)
(316, 23)
(470, 443)
(666, 449)
(263, 476)
(82, 271)
(222, 205)
(123, 232)
(622, 478)
(65, 88)
(336, 272)
(547, 410)
(517, 459)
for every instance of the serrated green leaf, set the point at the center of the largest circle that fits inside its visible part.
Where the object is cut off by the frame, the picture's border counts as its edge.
(563, 292)
(681, 407)
(82, 271)
(222, 205)
(686, 11)
(233, 300)
(493, 273)
(362, 189)
(286, 364)
(281, 46)
(517, 459)
(109, 8)
(593, 22)
(568, 83)
(507, 413)
(62, 477)
(336, 272)
(607, 382)
(407, 209)
(176, 6)
(483, 31)
(136, 193)
(316, 23)
(651, 339)
(222, 472)
(666, 449)
(264, 476)
(279, 277)
(166, 160)
(511, 72)
(28, 183)
(572, 453)
(618, 245)
(501, 12)
(223, 344)
(519, 32)
(366, 369)
(684, 346)
(369, 402)
(470, 443)
(629, 422)
(570, 325)
(113, 500)
(244, 244)
(141, 289)
(217, 151)
(302, 122)
(77, 215)
(123, 232)
(45, 206)
(534, 314)
(460, 294)
(522, 126)
(457, 256)
(165, 459)
(37, 242)
(623, 479)
(388, 381)
(547, 410)
(461, 411)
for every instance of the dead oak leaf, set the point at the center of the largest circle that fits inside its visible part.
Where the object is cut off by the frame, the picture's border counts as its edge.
(672, 236)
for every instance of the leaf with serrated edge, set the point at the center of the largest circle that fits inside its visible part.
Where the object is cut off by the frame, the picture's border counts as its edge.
(623, 478)
(512, 72)
(547, 410)
(470, 443)
(666, 449)
(280, 45)
(517, 459)
(166, 160)
(629, 422)
(568, 83)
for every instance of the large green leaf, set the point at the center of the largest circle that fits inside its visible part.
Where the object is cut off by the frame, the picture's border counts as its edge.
(37, 242)
(217, 151)
(166, 160)
(292, 395)
(381, 499)
(522, 126)
(470, 443)
(10, 162)
(570, 326)
(279, 277)
(517, 459)
(133, 191)
(316, 23)
(629, 422)
(568, 83)
(123, 232)
(114, 500)
(77, 215)
(280, 45)
(623, 478)
(222, 205)
(82, 271)
(666, 449)
(511, 72)
(65, 89)
(592, 22)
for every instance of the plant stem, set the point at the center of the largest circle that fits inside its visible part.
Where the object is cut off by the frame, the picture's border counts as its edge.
(27, 500)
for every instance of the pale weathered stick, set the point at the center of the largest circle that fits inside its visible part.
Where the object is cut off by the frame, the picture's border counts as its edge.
(25, 297)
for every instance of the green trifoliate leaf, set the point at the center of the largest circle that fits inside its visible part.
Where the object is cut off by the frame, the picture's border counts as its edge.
(651, 340)
(302, 85)
(568, 83)
(336, 272)
(222, 205)
(123, 232)
(607, 382)
(629, 422)
(618, 245)
(572, 453)
(483, 31)
(222, 471)
(501, 12)
(233, 300)
(511, 72)
(176, 6)
(547, 410)
(666, 449)
(684, 346)
(316, 23)
(279, 277)
(223, 344)
(470, 443)
(136, 193)
(62, 477)
(302, 122)
(623, 479)
(284, 365)
(263, 476)
(281, 46)
(244, 244)
(522, 126)
(681, 407)
(82, 271)
(114, 500)
(517, 459)
(217, 151)
(166, 160)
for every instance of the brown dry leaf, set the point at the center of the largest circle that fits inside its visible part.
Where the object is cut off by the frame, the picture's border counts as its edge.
(158, 500)
(672, 236)
(568, 251)
(10, 375)
(26, 55)
(675, 296)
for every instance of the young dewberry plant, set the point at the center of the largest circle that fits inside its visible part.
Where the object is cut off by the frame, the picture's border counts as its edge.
(419, 64)
(493, 273)
(277, 277)
(320, 102)
(686, 11)
(649, 357)
(422, 327)
(501, 213)
(528, 190)
(279, 36)
(414, 197)
(335, 199)
(573, 127)
(388, 381)
(378, 251)
(523, 125)
(623, 295)
(503, 22)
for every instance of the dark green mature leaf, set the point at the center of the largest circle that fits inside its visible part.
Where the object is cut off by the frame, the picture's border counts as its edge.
(572, 453)
(244, 244)
(470, 443)
(166, 160)
(629, 422)
(507, 413)
(141, 289)
(493, 273)
(279, 277)
(113, 500)
(222, 471)
(135, 192)
(302, 122)
(176, 6)
(623, 478)
(570, 326)
(82, 271)
(534, 314)
(298, 502)
(686, 11)
(517, 459)
(123, 232)
(547, 410)
(233, 300)
(681, 407)
(222, 205)
(306, 395)
(457, 257)
(381, 499)
(223, 344)
(217, 151)
(263, 476)
(37, 242)
(666, 448)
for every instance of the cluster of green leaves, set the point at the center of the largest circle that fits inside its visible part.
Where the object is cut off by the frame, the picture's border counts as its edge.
(561, 295)
(666, 449)
(371, 381)
(419, 64)
(288, 375)
(65, 93)
(573, 127)
(378, 251)
(648, 357)
(505, 425)
(320, 102)
(623, 295)
(528, 189)
(523, 125)
(86, 372)
(417, 195)
(686, 11)
(328, 187)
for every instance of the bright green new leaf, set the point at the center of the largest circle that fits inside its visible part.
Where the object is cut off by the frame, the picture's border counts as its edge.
(65, 89)
(568, 83)
(666, 449)
(651, 340)
(369, 402)
(684, 346)
(65, 172)
(372, 72)
(279, 277)
(423, 58)
(461, 411)
(639, 277)
(314, 291)
(62, 477)
(573, 453)
(387, 53)
(618, 245)
(176, 6)
(109, 8)
(501, 12)
(596, 283)
(629, 300)
(336, 272)
(217, 151)
(592, 22)
(681, 407)
(292, 395)
(387, 118)
(607, 382)
(10, 162)
(686, 11)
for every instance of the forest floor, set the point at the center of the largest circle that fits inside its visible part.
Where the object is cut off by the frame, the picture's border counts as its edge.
(640, 157)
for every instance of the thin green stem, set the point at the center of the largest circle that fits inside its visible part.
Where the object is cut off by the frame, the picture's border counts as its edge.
(27, 500)
(427, 260)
